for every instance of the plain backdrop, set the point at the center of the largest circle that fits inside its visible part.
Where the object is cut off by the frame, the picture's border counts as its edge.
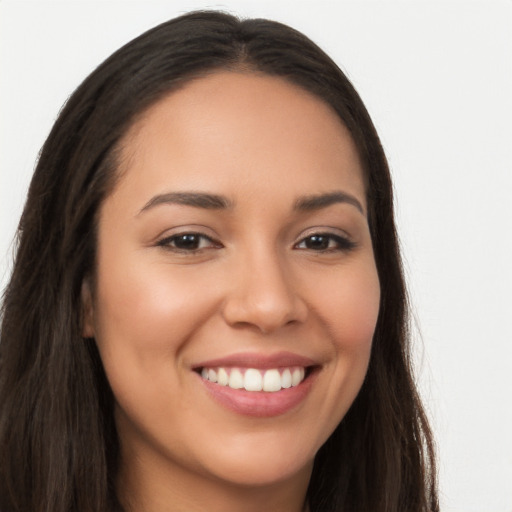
(437, 80)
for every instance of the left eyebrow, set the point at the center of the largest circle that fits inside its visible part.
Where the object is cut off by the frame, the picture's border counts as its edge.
(319, 201)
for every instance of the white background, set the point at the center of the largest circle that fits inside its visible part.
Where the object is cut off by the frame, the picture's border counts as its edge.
(437, 80)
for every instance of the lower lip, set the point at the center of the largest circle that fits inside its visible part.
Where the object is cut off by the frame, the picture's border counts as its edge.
(259, 404)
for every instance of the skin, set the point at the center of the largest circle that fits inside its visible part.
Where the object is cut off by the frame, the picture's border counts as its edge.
(254, 285)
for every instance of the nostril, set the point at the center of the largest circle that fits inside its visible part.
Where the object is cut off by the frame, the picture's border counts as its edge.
(265, 316)
(263, 296)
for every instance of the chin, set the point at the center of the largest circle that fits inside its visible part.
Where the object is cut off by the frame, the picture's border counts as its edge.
(267, 474)
(263, 460)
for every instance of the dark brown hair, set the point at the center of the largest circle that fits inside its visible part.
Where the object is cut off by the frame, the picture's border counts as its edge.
(58, 444)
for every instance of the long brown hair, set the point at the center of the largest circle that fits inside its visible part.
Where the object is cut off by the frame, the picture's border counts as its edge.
(58, 443)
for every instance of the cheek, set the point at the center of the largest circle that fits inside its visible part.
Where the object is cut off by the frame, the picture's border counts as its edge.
(350, 308)
(145, 316)
(147, 311)
(346, 304)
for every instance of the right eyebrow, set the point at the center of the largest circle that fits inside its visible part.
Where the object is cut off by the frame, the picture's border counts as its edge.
(195, 199)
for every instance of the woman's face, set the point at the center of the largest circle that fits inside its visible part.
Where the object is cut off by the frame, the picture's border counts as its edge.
(234, 253)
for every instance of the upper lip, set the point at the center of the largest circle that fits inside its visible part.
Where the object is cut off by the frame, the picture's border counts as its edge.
(258, 361)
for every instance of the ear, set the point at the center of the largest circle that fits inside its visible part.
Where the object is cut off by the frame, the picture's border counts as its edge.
(87, 310)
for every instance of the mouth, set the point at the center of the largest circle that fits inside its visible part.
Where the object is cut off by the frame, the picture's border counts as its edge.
(270, 380)
(260, 386)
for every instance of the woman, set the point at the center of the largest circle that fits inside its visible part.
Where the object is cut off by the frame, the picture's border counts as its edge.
(207, 310)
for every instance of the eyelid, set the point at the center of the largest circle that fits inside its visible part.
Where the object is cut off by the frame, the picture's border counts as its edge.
(184, 229)
(344, 240)
(324, 230)
(164, 240)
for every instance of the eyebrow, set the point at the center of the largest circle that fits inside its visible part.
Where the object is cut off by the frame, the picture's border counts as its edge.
(318, 201)
(217, 202)
(196, 199)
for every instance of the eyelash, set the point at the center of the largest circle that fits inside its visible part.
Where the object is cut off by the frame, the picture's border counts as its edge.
(341, 243)
(167, 243)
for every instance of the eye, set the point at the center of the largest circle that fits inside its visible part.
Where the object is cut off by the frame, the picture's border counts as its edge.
(188, 242)
(325, 242)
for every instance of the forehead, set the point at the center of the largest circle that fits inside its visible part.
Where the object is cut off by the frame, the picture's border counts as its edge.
(232, 128)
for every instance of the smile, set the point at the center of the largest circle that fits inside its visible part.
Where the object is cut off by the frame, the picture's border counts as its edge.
(268, 380)
(257, 385)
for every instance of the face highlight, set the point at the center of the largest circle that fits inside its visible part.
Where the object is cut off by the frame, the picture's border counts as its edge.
(236, 291)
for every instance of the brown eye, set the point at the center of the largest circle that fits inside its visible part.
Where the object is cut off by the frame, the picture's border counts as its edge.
(187, 242)
(325, 242)
(317, 242)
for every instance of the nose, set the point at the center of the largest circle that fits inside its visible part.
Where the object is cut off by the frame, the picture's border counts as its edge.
(263, 295)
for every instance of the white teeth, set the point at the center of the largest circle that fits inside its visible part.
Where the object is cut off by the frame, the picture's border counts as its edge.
(297, 376)
(222, 377)
(286, 379)
(252, 379)
(272, 381)
(236, 379)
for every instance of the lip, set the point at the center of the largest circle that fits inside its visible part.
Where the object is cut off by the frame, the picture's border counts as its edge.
(258, 361)
(259, 404)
